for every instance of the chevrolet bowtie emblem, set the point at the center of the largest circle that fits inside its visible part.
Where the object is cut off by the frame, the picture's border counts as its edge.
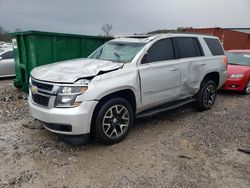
(33, 89)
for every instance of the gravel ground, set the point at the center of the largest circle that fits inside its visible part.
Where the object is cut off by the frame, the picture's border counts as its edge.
(180, 148)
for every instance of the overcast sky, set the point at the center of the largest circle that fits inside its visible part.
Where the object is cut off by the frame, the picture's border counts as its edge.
(126, 16)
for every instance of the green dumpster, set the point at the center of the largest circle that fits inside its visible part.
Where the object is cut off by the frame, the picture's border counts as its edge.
(34, 48)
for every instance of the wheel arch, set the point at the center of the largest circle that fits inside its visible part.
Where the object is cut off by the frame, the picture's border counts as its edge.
(127, 94)
(214, 76)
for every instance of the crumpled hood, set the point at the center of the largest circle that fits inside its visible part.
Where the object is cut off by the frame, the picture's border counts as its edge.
(71, 70)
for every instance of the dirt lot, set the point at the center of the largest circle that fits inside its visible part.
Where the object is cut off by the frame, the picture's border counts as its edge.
(181, 148)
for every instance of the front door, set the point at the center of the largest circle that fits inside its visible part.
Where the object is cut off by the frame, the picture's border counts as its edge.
(160, 75)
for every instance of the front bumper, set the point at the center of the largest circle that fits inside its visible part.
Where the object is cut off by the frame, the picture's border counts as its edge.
(235, 84)
(78, 118)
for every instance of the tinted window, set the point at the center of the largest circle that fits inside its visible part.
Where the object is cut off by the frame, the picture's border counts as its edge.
(7, 55)
(161, 50)
(188, 47)
(198, 48)
(214, 46)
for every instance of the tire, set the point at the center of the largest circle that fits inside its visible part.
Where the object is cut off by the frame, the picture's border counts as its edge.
(246, 91)
(206, 96)
(113, 120)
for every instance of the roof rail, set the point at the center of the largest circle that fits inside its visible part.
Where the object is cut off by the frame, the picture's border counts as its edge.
(187, 32)
(139, 36)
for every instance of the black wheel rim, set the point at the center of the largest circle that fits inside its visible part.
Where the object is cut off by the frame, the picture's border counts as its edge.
(209, 96)
(115, 121)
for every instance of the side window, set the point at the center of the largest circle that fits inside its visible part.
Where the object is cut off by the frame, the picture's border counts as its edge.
(188, 47)
(161, 50)
(198, 48)
(7, 55)
(214, 46)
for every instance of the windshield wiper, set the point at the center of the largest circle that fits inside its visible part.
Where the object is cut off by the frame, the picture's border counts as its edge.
(117, 56)
(100, 53)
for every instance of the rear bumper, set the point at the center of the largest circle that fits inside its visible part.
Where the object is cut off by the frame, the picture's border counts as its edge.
(223, 78)
(68, 121)
(235, 84)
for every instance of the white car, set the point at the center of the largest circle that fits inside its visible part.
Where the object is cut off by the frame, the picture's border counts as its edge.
(7, 64)
(127, 78)
(5, 45)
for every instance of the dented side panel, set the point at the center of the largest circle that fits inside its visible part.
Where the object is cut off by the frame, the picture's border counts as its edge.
(193, 70)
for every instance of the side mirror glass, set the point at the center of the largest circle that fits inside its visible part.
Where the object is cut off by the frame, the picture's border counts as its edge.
(145, 59)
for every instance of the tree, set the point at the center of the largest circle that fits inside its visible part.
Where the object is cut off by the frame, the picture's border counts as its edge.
(4, 35)
(180, 29)
(1, 30)
(106, 28)
(18, 30)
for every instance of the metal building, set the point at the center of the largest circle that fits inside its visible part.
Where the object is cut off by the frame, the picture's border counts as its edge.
(232, 38)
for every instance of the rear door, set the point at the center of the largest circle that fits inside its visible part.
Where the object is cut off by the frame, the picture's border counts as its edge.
(160, 74)
(193, 63)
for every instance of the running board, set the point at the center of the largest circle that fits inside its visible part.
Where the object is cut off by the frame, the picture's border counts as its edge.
(165, 107)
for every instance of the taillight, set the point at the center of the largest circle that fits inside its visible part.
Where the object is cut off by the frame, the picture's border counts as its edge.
(225, 60)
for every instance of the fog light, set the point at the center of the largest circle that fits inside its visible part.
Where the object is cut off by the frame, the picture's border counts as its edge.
(66, 99)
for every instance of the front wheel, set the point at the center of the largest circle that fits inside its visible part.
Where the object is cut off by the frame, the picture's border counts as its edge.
(113, 121)
(247, 88)
(206, 96)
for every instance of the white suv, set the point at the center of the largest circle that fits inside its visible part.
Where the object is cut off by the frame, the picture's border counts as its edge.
(123, 79)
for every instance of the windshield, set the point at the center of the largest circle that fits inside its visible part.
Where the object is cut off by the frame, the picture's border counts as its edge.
(115, 51)
(236, 58)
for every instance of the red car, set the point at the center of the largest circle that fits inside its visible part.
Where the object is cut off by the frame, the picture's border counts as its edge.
(238, 71)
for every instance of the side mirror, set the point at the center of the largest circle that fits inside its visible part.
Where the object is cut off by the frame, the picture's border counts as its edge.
(1, 58)
(145, 59)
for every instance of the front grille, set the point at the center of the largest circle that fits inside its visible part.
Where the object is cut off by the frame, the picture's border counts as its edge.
(40, 99)
(42, 86)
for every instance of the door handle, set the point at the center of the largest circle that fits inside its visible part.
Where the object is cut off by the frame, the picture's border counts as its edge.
(202, 64)
(174, 68)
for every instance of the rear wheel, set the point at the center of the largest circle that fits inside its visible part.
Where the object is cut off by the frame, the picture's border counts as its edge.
(113, 121)
(206, 96)
(247, 88)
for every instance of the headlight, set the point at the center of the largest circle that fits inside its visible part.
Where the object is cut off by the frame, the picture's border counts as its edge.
(67, 95)
(236, 75)
(71, 90)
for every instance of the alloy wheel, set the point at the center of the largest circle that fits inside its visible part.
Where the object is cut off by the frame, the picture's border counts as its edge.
(209, 96)
(115, 121)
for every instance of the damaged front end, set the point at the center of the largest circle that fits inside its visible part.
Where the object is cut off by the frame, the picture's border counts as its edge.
(60, 84)
(74, 70)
